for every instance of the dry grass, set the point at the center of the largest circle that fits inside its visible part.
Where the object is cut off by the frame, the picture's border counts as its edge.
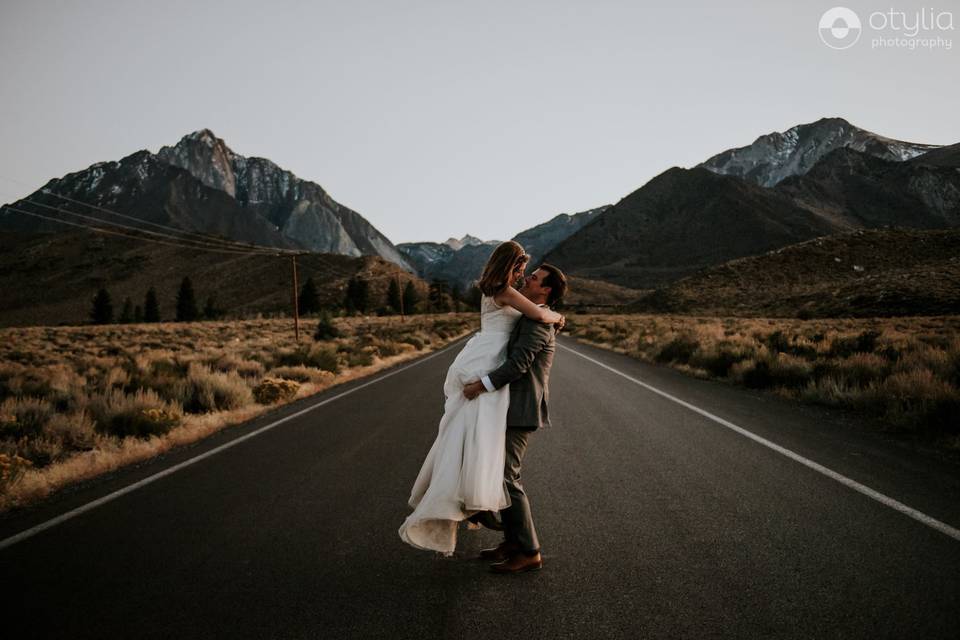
(76, 402)
(905, 372)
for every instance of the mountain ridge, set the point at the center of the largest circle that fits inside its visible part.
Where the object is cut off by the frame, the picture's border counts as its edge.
(775, 156)
(200, 184)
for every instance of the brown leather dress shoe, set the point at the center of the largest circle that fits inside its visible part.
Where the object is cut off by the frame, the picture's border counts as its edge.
(517, 563)
(501, 552)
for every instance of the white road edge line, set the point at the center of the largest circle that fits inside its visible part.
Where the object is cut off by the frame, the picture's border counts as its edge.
(919, 516)
(26, 533)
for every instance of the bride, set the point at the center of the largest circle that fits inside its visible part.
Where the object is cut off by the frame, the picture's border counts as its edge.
(463, 472)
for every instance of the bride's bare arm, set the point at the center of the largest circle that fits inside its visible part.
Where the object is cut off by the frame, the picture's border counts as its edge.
(522, 304)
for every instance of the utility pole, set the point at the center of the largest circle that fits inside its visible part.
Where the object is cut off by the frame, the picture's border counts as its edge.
(296, 304)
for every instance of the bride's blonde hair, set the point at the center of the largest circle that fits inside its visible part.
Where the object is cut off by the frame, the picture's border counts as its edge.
(503, 268)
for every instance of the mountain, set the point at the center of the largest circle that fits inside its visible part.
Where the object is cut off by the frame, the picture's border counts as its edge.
(681, 221)
(589, 295)
(461, 261)
(942, 157)
(436, 261)
(201, 185)
(302, 210)
(861, 273)
(857, 190)
(685, 220)
(539, 240)
(51, 278)
(424, 255)
(467, 240)
(778, 155)
(146, 189)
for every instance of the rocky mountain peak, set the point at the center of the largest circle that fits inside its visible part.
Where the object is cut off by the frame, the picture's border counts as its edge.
(466, 241)
(778, 155)
(206, 157)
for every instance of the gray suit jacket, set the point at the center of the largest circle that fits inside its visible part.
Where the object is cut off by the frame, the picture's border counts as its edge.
(527, 369)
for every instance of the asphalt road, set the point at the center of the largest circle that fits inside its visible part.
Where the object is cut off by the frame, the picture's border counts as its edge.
(656, 521)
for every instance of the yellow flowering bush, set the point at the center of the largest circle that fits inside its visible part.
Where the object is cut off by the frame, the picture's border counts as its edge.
(11, 468)
(274, 390)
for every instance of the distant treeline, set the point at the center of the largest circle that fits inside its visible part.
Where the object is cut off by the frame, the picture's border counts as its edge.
(358, 300)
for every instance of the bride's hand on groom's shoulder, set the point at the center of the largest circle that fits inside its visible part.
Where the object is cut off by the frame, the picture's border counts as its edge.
(559, 325)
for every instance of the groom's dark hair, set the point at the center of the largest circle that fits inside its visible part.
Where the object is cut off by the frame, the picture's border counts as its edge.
(556, 281)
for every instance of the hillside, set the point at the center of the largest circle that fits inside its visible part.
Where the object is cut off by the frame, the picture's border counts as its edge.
(862, 273)
(51, 278)
(681, 221)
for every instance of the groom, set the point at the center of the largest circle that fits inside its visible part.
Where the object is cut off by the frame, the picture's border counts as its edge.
(527, 370)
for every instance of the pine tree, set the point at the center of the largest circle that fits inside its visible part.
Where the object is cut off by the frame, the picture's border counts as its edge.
(410, 298)
(186, 302)
(358, 295)
(102, 308)
(210, 310)
(456, 296)
(309, 300)
(326, 330)
(137, 313)
(151, 310)
(393, 295)
(439, 296)
(473, 297)
(126, 316)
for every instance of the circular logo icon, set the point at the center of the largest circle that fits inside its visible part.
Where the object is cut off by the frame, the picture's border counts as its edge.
(840, 28)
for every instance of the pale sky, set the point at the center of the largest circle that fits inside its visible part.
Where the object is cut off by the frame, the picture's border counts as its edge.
(436, 119)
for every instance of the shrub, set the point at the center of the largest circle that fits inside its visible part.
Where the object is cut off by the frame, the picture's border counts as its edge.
(412, 340)
(678, 350)
(360, 359)
(24, 416)
(843, 346)
(862, 368)
(12, 467)
(324, 357)
(719, 361)
(917, 398)
(274, 390)
(205, 390)
(326, 330)
(301, 374)
(388, 348)
(142, 414)
(228, 362)
(758, 376)
(780, 370)
(75, 430)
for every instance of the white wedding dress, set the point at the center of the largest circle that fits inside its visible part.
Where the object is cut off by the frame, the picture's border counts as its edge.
(463, 472)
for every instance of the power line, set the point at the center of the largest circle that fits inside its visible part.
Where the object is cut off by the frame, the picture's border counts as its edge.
(196, 244)
(136, 237)
(229, 247)
(202, 237)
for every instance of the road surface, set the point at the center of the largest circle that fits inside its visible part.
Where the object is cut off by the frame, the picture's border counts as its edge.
(668, 507)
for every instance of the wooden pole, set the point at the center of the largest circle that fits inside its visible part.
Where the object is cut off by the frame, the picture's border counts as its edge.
(296, 305)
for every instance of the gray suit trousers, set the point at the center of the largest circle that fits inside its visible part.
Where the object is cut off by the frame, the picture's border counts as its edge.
(517, 518)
